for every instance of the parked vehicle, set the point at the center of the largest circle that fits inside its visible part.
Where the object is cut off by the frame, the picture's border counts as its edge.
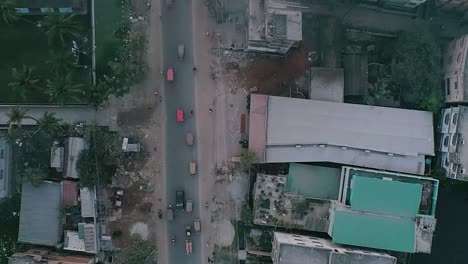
(180, 115)
(197, 225)
(193, 168)
(188, 246)
(188, 206)
(189, 139)
(169, 3)
(170, 213)
(180, 199)
(170, 74)
(173, 239)
(159, 214)
(188, 231)
(181, 51)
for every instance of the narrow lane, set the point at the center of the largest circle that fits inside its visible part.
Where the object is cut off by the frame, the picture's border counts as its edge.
(177, 29)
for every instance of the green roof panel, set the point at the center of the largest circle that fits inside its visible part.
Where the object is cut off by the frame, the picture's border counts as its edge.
(385, 196)
(374, 231)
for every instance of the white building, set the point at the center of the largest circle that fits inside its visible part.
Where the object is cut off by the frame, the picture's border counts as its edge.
(454, 73)
(292, 249)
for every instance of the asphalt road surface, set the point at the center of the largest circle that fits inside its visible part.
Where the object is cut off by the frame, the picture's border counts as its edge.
(180, 94)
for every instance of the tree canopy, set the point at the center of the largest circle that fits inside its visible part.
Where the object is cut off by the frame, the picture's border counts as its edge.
(139, 252)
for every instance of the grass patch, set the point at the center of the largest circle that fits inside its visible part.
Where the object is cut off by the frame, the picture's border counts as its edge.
(109, 15)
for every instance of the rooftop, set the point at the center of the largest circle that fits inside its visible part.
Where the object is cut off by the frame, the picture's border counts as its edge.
(73, 148)
(40, 214)
(360, 135)
(295, 249)
(5, 170)
(88, 202)
(69, 193)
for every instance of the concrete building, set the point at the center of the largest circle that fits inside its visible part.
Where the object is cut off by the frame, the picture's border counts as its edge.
(39, 216)
(275, 26)
(83, 240)
(326, 84)
(454, 70)
(42, 256)
(297, 130)
(357, 207)
(292, 249)
(458, 6)
(88, 202)
(44, 7)
(5, 169)
(453, 146)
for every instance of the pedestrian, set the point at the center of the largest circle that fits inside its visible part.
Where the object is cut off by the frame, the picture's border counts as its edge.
(211, 110)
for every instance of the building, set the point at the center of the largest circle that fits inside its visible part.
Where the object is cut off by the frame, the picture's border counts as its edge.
(357, 207)
(292, 249)
(69, 193)
(5, 169)
(298, 130)
(83, 240)
(458, 6)
(88, 202)
(454, 153)
(44, 7)
(42, 256)
(40, 214)
(274, 26)
(454, 72)
(56, 157)
(73, 148)
(326, 84)
(395, 4)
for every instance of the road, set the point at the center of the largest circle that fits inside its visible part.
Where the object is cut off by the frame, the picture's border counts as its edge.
(177, 29)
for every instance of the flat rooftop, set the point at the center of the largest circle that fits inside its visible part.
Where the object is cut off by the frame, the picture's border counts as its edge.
(326, 84)
(298, 130)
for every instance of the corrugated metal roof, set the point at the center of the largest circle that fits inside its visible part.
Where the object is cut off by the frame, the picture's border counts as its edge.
(69, 193)
(88, 200)
(40, 214)
(74, 146)
(385, 196)
(374, 231)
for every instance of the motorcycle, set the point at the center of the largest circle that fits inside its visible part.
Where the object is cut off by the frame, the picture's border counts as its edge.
(173, 239)
(159, 213)
(206, 204)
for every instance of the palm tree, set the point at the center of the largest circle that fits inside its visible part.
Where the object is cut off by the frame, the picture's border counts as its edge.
(61, 60)
(16, 116)
(8, 12)
(50, 123)
(61, 28)
(62, 89)
(23, 80)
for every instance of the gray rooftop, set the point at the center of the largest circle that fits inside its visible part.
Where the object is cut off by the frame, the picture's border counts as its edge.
(326, 84)
(5, 170)
(299, 130)
(73, 148)
(40, 212)
(88, 200)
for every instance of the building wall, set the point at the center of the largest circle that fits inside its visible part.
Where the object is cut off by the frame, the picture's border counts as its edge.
(453, 70)
(5, 171)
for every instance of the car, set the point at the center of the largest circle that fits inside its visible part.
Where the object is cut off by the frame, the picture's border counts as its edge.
(180, 52)
(180, 115)
(180, 200)
(170, 74)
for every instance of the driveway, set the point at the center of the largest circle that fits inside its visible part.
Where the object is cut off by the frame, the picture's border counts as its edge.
(177, 29)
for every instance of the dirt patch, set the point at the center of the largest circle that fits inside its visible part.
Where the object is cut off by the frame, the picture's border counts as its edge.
(136, 116)
(226, 232)
(140, 229)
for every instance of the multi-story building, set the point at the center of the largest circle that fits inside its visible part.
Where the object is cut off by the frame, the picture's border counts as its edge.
(454, 71)
(291, 248)
(453, 148)
(43, 7)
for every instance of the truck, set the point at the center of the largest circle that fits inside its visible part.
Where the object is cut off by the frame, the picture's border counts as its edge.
(189, 139)
(188, 246)
(180, 199)
(170, 213)
(188, 206)
(193, 168)
(197, 225)
(180, 51)
(180, 116)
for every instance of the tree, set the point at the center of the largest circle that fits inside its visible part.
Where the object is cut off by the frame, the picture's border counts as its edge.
(61, 28)
(16, 116)
(50, 123)
(62, 89)
(23, 81)
(61, 61)
(97, 164)
(247, 159)
(8, 12)
(415, 66)
(35, 176)
(139, 252)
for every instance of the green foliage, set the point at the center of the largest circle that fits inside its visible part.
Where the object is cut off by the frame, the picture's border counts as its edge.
(247, 160)
(23, 81)
(98, 164)
(8, 12)
(139, 252)
(51, 124)
(301, 207)
(247, 214)
(9, 223)
(61, 29)
(35, 176)
(415, 69)
(62, 89)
